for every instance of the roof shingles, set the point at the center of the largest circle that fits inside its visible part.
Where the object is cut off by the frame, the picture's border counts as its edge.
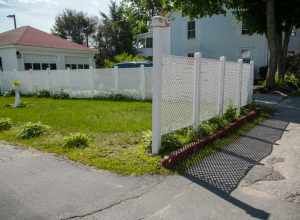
(29, 36)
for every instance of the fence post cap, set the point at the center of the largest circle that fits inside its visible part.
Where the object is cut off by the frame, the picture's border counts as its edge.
(160, 21)
(198, 55)
(222, 58)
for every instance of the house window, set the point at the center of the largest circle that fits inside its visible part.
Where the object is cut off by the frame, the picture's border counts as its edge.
(190, 54)
(293, 34)
(36, 66)
(141, 43)
(68, 66)
(1, 67)
(80, 66)
(191, 29)
(245, 30)
(149, 42)
(45, 66)
(53, 66)
(246, 55)
(73, 66)
(28, 66)
(86, 66)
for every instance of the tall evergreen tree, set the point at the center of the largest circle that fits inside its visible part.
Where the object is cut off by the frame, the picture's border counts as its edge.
(75, 25)
(115, 33)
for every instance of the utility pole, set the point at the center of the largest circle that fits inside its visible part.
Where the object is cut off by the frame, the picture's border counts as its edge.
(14, 17)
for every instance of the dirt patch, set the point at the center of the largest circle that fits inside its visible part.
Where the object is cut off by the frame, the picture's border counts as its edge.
(275, 160)
(293, 197)
(273, 176)
(262, 173)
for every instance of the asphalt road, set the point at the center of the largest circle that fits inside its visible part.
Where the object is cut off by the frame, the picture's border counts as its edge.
(35, 185)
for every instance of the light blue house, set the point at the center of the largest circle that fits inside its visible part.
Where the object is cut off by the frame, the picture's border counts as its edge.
(214, 37)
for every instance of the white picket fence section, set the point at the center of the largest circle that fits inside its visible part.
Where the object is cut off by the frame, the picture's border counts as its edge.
(196, 89)
(131, 82)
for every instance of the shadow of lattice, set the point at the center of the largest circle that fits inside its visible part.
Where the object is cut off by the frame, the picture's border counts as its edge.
(225, 168)
(222, 171)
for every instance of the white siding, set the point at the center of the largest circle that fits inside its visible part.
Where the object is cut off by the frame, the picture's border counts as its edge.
(216, 36)
(9, 58)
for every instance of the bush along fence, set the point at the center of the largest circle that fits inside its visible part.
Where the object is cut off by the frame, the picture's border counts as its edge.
(188, 91)
(133, 83)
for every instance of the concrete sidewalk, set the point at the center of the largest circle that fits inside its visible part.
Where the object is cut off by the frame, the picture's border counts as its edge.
(34, 185)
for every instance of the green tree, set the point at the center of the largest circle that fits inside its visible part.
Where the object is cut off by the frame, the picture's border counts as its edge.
(141, 12)
(76, 25)
(273, 18)
(115, 34)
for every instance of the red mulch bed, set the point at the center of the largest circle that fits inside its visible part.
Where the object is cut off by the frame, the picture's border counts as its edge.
(176, 156)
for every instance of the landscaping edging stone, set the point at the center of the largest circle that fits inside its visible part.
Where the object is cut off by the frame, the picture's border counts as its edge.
(176, 156)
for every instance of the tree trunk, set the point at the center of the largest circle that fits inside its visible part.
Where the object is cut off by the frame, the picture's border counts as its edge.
(273, 43)
(284, 51)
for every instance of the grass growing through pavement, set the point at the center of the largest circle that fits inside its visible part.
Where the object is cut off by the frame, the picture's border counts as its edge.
(114, 129)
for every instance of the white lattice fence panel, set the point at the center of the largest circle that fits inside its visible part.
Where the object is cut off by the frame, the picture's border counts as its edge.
(246, 84)
(177, 93)
(209, 76)
(231, 84)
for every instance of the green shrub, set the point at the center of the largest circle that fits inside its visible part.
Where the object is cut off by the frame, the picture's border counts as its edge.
(30, 130)
(292, 81)
(170, 142)
(5, 124)
(77, 140)
(219, 122)
(293, 64)
(207, 128)
(43, 94)
(147, 139)
(231, 113)
(61, 95)
(9, 93)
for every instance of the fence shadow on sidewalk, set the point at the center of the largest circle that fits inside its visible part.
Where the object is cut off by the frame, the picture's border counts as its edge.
(222, 171)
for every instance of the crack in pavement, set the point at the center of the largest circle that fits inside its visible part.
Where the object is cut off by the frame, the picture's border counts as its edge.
(113, 204)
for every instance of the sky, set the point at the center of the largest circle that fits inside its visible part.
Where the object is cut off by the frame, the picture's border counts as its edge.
(41, 13)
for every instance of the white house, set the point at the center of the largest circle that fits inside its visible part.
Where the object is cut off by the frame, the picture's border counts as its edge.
(214, 37)
(28, 48)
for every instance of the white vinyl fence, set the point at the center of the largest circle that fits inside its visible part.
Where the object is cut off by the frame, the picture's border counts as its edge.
(196, 89)
(131, 82)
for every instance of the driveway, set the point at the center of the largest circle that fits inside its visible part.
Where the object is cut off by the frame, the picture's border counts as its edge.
(35, 185)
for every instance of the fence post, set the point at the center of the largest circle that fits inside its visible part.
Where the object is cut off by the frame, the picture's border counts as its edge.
(116, 77)
(161, 47)
(240, 84)
(48, 79)
(196, 95)
(221, 84)
(143, 82)
(92, 81)
(251, 82)
(31, 84)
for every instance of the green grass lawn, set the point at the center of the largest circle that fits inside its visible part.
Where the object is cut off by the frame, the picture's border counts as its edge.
(115, 128)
